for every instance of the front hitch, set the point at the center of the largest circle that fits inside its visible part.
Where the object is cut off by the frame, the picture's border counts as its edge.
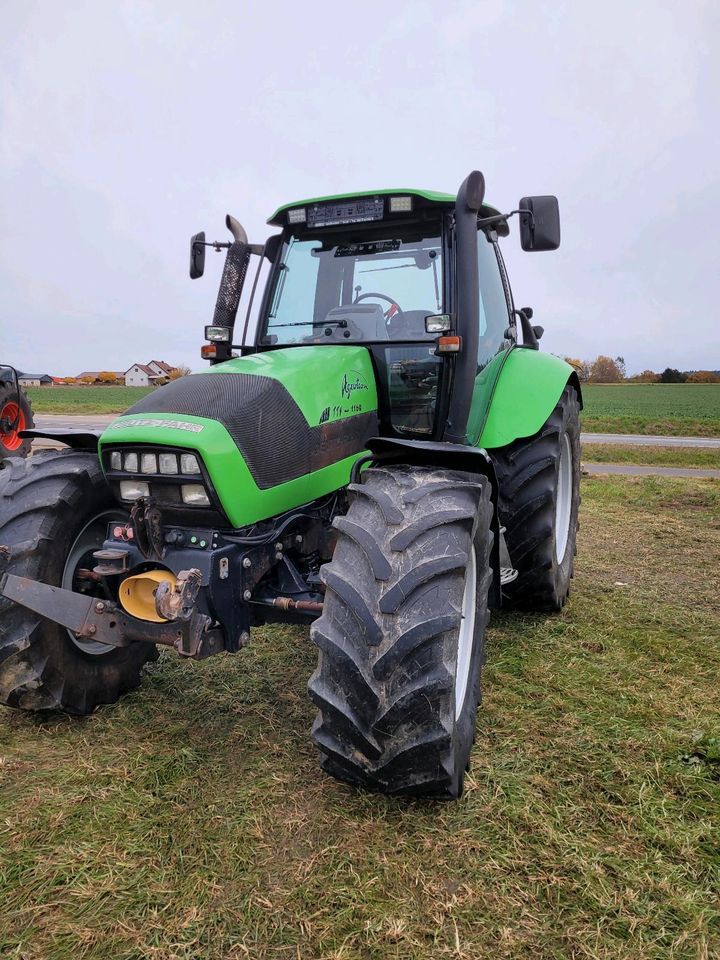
(90, 618)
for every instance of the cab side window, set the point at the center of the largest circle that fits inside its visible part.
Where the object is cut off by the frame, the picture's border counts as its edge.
(494, 313)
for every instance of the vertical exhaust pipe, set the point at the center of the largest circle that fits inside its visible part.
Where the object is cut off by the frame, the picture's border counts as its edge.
(231, 284)
(469, 201)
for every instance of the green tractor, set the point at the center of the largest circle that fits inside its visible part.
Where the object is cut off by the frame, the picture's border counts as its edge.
(385, 456)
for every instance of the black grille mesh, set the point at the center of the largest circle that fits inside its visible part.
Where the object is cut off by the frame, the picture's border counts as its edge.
(231, 284)
(264, 421)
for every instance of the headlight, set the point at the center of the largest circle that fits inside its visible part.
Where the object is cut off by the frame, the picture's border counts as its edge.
(218, 334)
(132, 489)
(130, 463)
(194, 494)
(189, 463)
(116, 460)
(148, 463)
(168, 463)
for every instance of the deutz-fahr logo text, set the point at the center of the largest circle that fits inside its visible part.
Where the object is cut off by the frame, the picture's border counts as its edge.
(351, 384)
(173, 424)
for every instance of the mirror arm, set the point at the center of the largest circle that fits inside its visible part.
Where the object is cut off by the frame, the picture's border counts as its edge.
(488, 221)
(530, 337)
(217, 245)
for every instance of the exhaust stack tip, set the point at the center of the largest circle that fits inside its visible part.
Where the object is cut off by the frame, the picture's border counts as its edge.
(236, 229)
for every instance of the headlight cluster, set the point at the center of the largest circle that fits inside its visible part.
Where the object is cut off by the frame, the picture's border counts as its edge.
(168, 464)
(168, 470)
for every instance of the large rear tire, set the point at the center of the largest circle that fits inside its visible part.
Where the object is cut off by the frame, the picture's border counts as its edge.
(401, 636)
(539, 499)
(11, 445)
(53, 511)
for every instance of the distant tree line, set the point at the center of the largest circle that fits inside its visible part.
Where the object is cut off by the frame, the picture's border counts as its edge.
(612, 370)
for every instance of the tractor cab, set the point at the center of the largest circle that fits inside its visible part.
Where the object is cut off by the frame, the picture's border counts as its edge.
(414, 276)
(375, 271)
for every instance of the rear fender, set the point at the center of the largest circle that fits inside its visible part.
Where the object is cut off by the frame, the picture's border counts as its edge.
(526, 392)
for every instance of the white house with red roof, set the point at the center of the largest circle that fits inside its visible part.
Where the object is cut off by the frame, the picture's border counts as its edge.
(147, 374)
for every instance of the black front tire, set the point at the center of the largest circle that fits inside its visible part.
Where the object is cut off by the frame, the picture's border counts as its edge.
(45, 502)
(413, 553)
(539, 485)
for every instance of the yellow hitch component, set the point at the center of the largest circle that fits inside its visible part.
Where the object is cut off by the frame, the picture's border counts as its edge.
(137, 594)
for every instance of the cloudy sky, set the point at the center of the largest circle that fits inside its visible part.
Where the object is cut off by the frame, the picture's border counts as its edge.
(127, 126)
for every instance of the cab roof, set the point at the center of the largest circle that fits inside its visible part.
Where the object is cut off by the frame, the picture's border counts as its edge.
(430, 196)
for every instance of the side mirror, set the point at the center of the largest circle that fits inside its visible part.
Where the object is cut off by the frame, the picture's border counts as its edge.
(197, 255)
(539, 223)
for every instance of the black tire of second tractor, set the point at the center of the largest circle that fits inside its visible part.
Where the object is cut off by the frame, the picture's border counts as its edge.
(45, 502)
(390, 628)
(527, 472)
(8, 394)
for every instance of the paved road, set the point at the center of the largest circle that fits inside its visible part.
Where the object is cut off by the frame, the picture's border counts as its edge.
(626, 470)
(95, 421)
(646, 441)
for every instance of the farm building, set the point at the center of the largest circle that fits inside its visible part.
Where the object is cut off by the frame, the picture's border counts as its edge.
(35, 379)
(160, 367)
(147, 374)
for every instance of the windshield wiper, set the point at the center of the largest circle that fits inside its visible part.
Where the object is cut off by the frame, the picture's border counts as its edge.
(400, 266)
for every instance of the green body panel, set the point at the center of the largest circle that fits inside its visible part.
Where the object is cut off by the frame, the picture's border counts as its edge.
(432, 195)
(514, 396)
(315, 377)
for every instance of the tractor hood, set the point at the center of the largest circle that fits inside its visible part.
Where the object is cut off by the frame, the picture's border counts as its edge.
(273, 430)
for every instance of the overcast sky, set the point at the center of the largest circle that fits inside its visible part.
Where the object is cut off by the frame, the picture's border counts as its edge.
(126, 126)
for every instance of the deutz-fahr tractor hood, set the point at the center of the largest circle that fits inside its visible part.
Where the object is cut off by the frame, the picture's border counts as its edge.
(273, 430)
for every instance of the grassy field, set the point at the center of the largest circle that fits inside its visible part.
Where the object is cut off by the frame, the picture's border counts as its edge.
(650, 456)
(85, 399)
(191, 820)
(675, 409)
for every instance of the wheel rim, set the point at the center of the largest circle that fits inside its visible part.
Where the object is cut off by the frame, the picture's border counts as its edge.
(91, 537)
(563, 505)
(467, 634)
(11, 440)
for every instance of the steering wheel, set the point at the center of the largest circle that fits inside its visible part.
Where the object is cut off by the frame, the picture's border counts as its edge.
(382, 296)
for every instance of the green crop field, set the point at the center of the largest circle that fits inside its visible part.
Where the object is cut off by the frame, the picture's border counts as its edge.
(677, 409)
(650, 456)
(80, 400)
(191, 822)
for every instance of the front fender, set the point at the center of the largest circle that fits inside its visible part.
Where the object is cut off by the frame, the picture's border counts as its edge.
(526, 392)
(448, 456)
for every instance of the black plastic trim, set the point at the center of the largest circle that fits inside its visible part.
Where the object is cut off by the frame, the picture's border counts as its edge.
(76, 439)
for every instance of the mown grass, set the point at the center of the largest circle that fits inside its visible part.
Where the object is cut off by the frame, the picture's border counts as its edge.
(674, 409)
(651, 456)
(79, 400)
(191, 820)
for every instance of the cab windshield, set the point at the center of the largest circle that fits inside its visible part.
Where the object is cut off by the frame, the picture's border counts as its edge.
(357, 286)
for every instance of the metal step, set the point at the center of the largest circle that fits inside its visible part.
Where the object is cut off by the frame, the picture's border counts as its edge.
(507, 571)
